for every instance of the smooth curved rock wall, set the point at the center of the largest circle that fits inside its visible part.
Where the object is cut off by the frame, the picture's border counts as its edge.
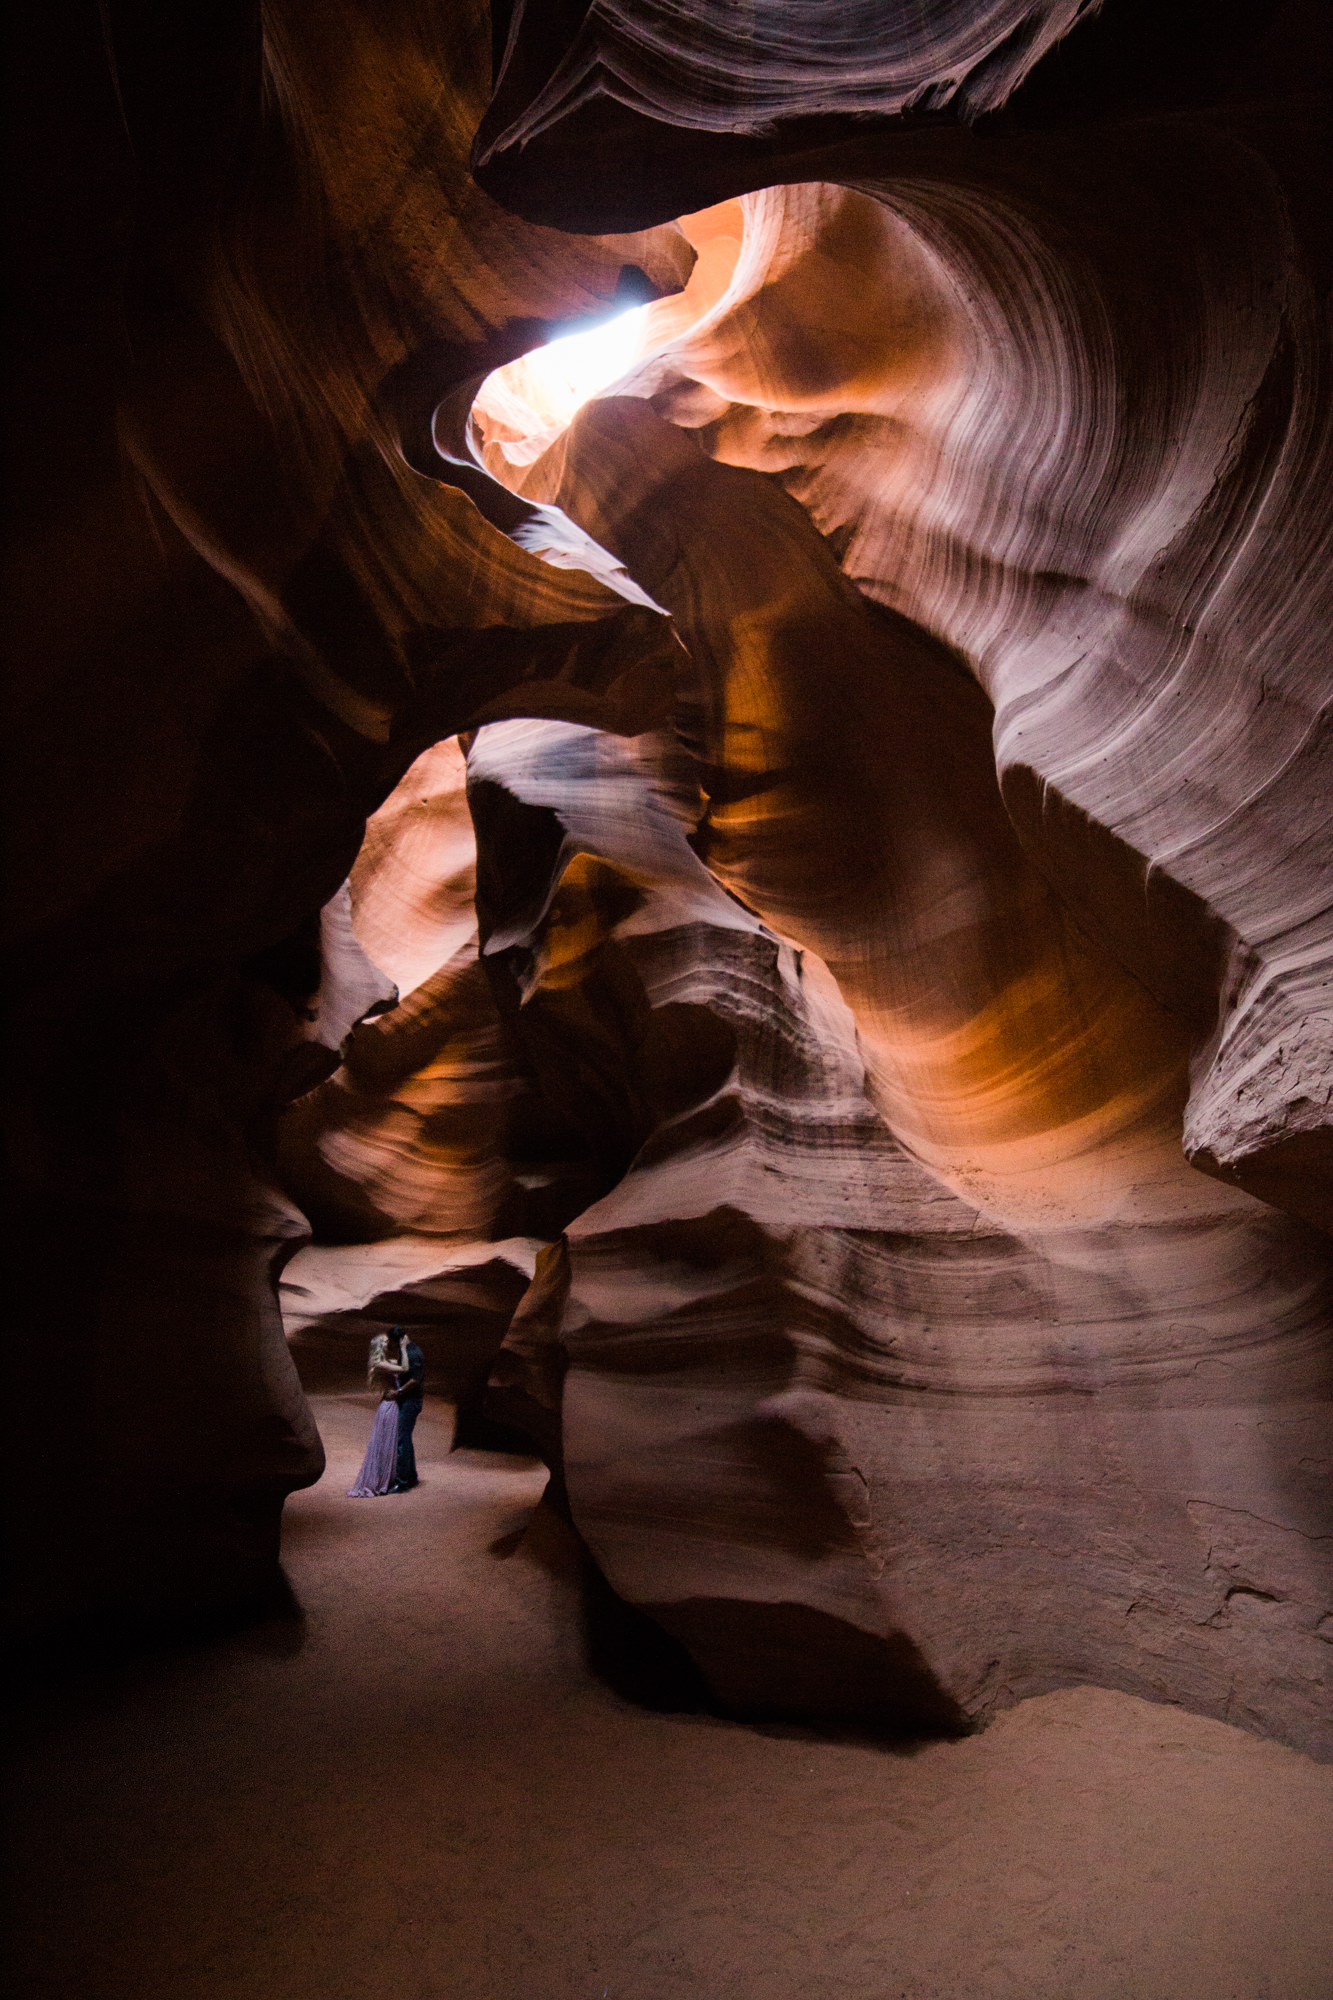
(872, 1413)
(798, 1372)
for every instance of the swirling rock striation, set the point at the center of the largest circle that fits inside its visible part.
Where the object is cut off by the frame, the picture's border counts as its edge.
(837, 1035)
(240, 614)
(793, 1370)
(638, 75)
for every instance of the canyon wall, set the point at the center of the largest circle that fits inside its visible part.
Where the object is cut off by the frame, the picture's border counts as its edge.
(826, 1029)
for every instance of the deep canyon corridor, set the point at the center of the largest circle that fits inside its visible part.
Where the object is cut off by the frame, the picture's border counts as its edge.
(670, 785)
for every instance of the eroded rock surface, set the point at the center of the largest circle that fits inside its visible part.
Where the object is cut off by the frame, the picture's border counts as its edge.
(853, 1069)
(793, 1369)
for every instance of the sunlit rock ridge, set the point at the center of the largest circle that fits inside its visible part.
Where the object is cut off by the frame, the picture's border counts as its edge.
(759, 872)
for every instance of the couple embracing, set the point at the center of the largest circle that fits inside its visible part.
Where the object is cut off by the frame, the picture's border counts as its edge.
(397, 1368)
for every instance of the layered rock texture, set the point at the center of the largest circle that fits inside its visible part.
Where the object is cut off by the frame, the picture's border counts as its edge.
(773, 903)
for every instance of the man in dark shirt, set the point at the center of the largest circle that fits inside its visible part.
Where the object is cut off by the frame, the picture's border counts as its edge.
(408, 1396)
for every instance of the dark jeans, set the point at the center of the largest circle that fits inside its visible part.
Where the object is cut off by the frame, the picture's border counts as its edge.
(406, 1471)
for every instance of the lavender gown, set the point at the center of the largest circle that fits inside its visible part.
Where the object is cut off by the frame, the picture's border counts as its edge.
(380, 1462)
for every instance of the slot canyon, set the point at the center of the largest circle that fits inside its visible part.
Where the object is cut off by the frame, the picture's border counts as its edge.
(670, 693)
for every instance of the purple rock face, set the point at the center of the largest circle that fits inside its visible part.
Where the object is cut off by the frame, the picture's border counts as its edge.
(774, 904)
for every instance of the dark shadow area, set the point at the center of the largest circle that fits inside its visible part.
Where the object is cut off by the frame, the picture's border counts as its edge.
(476, 1431)
(666, 170)
(623, 1647)
(488, 1418)
(635, 1656)
(790, 1663)
(269, 1621)
(1126, 59)
(1134, 57)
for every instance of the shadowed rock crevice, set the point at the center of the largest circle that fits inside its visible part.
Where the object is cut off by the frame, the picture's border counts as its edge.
(791, 1663)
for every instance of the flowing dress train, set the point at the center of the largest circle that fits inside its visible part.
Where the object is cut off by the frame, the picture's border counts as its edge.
(380, 1463)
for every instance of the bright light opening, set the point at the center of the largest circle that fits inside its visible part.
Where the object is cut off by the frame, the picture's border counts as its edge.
(574, 368)
(521, 409)
(524, 407)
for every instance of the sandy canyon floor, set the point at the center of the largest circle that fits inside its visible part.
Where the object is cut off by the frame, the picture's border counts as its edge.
(417, 1791)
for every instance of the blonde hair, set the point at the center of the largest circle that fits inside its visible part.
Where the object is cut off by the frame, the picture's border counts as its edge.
(379, 1354)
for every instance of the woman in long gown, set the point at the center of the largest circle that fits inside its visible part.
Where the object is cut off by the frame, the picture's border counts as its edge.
(384, 1369)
